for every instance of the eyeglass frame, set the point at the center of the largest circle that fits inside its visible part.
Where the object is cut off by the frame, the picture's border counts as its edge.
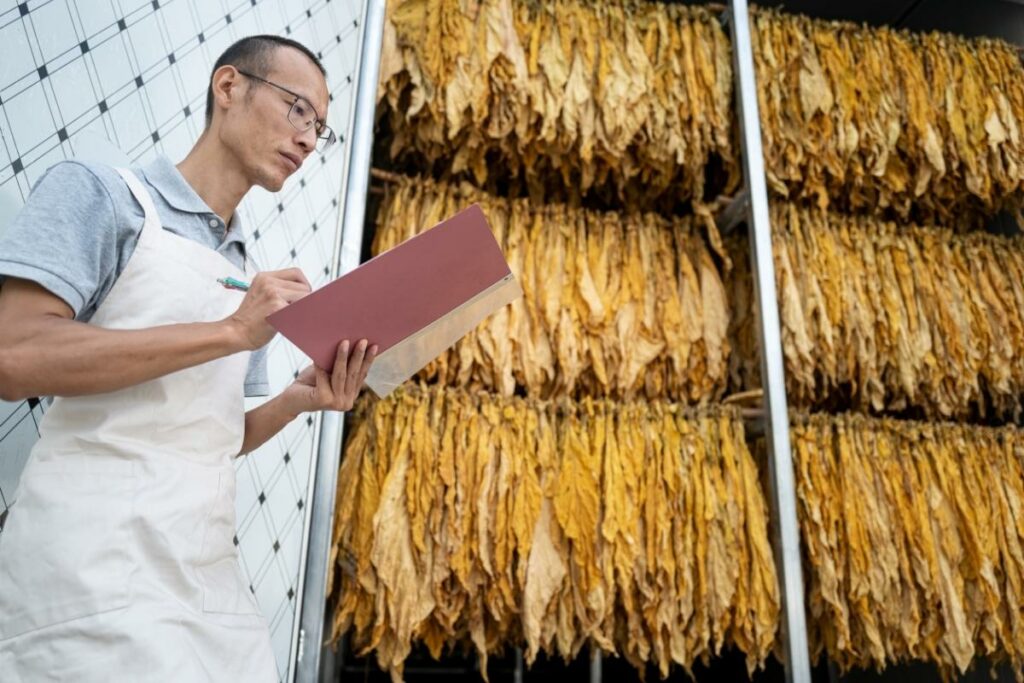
(328, 139)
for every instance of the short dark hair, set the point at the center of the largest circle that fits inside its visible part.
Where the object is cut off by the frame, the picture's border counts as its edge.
(253, 54)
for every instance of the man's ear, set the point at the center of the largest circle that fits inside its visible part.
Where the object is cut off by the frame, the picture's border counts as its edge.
(227, 86)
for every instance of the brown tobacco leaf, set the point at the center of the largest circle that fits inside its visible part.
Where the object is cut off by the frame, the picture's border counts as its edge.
(638, 527)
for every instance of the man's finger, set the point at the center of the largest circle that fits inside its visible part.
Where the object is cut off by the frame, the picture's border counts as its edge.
(323, 380)
(354, 368)
(340, 367)
(292, 274)
(293, 289)
(291, 295)
(367, 362)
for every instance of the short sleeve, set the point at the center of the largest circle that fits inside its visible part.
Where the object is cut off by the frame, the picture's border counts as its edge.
(257, 382)
(65, 237)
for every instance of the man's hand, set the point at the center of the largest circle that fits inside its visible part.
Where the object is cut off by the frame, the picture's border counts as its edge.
(269, 292)
(315, 389)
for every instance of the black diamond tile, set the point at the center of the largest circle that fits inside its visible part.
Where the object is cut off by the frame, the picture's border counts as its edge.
(253, 3)
(296, 374)
(348, 79)
(293, 253)
(156, 4)
(300, 504)
(17, 165)
(171, 58)
(121, 25)
(103, 106)
(202, 37)
(277, 546)
(227, 17)
(235, 540)
(341, 138)
(319, 55)
(291, 593)
(302, 182)
(337, 39)
(263, 498)
(309, 14)
(314, 226)
(32, 403)
(288, 30)
(62, 134)
(255, 235)
(309, 421)
(330, 97)
(327, 271)
(287, 457)
(323, 159)
(334, 201)
(355, 22)
(251, 589)
(42, 72)
(138, 81)
(84, 46)
(280, 208)
(23, 8)
(156, 136)
(187, 110)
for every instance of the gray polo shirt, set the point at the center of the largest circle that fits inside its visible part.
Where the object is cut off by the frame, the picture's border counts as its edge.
(80, 225)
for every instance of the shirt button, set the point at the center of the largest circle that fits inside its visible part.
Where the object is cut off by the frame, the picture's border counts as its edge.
(214, 222)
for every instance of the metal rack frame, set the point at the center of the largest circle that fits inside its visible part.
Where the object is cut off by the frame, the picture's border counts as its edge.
(782, 497)
(308, 650)
(312, 663)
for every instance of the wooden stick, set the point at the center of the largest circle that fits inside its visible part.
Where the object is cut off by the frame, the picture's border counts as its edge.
(744, 396)
(386, 176)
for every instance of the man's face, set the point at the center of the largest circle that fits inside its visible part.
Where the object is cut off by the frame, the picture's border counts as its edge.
(269, 147)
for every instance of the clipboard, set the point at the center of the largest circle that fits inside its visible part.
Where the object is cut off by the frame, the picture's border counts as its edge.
(414, 301)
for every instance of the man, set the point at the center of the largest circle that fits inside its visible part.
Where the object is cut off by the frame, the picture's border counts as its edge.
(117, 560)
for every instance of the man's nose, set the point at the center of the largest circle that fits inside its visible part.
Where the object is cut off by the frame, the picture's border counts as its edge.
(306, 139)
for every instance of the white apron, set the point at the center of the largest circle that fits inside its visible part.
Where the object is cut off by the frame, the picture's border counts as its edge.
(117, 561)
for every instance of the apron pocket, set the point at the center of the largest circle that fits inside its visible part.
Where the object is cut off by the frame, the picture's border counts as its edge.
(65, 552)
(225, 591)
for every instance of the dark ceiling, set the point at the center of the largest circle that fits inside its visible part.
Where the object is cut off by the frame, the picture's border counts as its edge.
(997, 18)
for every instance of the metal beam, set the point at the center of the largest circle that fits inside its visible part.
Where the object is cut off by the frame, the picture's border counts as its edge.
(736, 212)
(780, 463)
(356, 178)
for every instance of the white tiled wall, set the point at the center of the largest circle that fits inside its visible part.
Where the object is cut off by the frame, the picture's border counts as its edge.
(134, 73)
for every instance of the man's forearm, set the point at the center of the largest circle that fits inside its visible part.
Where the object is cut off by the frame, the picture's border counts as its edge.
(54, 356)
(265, 421)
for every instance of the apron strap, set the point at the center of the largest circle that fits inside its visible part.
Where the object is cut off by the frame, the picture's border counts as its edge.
(152, 218)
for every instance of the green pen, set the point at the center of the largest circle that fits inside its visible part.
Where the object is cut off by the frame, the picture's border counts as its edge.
(232, 283)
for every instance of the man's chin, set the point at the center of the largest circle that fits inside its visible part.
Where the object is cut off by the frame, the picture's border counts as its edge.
(273, 183)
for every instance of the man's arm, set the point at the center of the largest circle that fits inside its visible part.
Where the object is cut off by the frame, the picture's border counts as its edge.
(314, 389)
(44, 352)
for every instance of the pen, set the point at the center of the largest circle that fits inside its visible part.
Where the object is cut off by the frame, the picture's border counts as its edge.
(232, 283)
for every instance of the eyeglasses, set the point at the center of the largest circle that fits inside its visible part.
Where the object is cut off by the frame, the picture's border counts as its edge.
(302, 115)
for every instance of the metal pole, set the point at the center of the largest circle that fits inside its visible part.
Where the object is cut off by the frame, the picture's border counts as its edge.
(356, 177)
(596, 665)
(780, 464)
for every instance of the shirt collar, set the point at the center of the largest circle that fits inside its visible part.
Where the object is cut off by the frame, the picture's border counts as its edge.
(172, 186)
(166, 179)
